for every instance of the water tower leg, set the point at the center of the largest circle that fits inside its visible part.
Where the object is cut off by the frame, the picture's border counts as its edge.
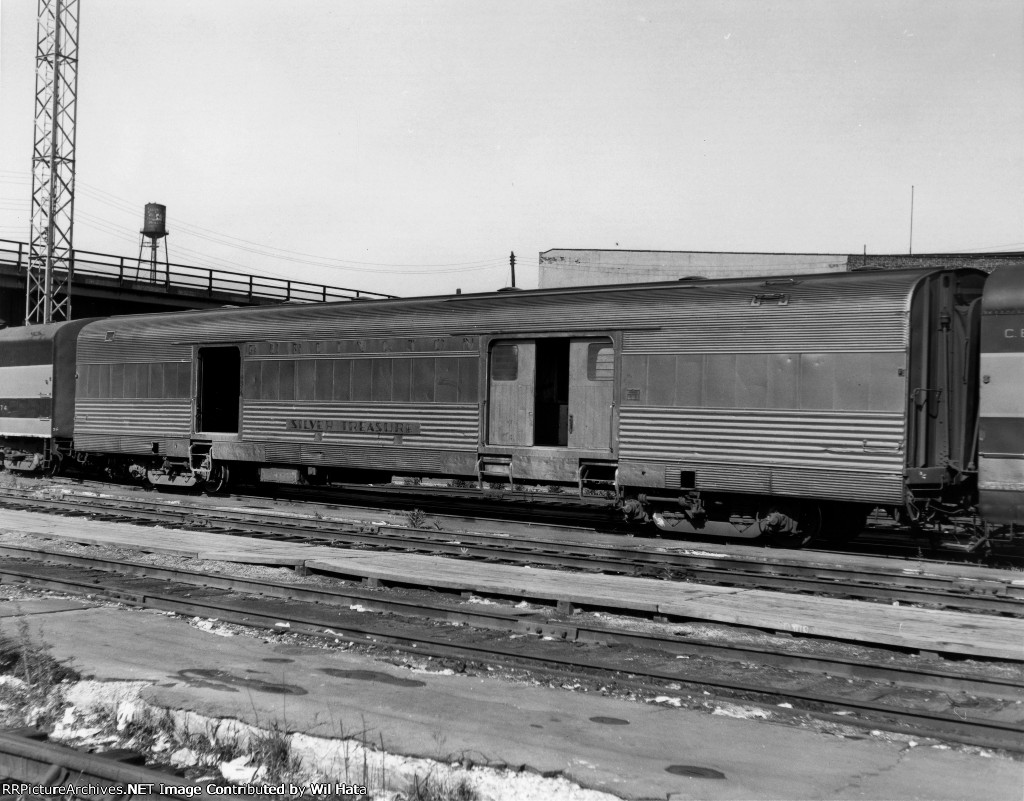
(167, 266)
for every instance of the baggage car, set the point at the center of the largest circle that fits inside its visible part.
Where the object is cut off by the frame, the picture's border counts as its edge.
(741, 408)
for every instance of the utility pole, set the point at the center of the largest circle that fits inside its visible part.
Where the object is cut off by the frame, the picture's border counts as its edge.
(911, 220)
(512, 266)
(51, 257)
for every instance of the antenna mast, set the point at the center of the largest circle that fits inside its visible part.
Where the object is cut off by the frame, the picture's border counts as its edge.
(51, 258)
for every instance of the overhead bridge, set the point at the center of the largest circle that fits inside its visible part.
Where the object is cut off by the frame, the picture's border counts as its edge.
(103, 284)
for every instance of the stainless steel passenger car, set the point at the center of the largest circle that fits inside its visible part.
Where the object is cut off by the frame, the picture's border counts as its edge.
(735, 407)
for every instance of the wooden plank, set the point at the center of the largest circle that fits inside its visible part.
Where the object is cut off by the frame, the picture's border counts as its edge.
(749, 553)
(183, 550)
(252, 558)
(859, 621)
(624, 592)
(174, 542)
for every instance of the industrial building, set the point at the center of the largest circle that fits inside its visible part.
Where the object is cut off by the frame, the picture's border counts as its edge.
(561, 267)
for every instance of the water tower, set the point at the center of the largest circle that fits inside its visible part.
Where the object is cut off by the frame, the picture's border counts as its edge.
(154, 228)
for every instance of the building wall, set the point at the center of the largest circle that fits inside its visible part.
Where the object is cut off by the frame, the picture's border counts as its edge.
(944, 261)
(581, 267)
(560, 267)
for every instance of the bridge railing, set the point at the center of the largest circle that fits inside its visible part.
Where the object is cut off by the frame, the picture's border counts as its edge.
(140, 275)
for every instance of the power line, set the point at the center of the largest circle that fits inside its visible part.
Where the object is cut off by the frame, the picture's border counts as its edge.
(114, 229)
(269, 251)
(990, 247)
(296, 256)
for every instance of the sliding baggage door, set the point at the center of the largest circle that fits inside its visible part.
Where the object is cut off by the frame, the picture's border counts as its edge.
(591, 373)
(511, 388)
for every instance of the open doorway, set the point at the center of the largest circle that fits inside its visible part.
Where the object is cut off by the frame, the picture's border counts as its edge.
(551, 402)
(218, 390)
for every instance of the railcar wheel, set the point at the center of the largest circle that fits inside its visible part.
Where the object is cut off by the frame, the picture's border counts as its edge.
(55, 466)
(790, 525)
(219, 478)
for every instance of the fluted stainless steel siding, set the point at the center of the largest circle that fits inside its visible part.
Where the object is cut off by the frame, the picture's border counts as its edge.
(392, 458)
(872, 440)
(856, 486)
(448, 426)
(861, 318)
(871, 305)
(772, 451)
(112, 443)
(141, 348)
(148, 417)
(849, 485)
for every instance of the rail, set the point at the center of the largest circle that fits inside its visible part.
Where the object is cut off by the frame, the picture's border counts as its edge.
(28, 759)
(876, 688)
(138, 273)
(937, 585)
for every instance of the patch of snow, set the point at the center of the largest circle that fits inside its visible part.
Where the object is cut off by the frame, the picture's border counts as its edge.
(441, 672)
(184, 758)
(211, 626)
(741, 712)
(239, 770)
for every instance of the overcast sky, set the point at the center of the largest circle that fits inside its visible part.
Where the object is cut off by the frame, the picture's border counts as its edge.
(411, 145)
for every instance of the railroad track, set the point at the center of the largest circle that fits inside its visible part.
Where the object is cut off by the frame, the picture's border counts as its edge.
(28, 762)
(872, 689)
(882, 537)
(934, 584)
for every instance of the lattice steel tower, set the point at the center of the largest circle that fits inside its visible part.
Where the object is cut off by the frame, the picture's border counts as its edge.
(50, 266)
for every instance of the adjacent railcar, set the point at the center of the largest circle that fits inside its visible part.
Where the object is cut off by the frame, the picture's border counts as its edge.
(1001, 423)
(734, 407)
(37, 386)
